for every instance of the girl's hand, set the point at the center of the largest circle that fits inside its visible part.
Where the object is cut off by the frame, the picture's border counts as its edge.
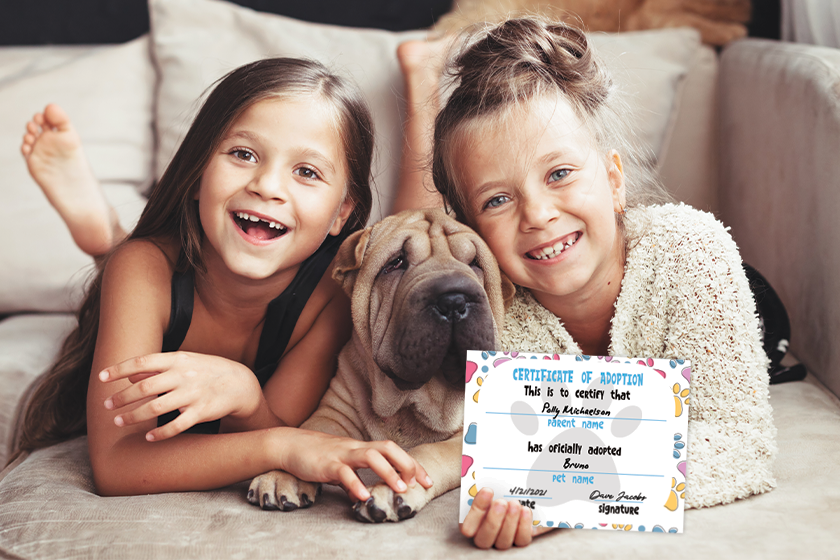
(201, 387)
(320, 457)
(499, 523)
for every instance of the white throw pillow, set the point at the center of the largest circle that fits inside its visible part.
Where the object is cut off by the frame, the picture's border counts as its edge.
(195, 42)
(108, 92)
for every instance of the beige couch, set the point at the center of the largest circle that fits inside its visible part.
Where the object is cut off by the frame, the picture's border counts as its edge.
(752, 134)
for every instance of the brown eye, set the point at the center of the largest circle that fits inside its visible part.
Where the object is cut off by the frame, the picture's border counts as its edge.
(398, 263)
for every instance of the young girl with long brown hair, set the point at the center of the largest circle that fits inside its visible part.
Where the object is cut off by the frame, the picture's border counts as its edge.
(214, 319)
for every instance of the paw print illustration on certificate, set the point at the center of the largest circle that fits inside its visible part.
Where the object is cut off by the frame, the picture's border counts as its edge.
(566, 458)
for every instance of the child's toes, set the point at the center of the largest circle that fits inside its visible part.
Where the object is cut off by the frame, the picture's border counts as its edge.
(55, 116)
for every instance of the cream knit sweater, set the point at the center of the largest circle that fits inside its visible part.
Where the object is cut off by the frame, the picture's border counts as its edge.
(685, 295)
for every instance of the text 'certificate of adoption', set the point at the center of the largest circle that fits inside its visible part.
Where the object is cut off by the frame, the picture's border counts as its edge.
(587, 442)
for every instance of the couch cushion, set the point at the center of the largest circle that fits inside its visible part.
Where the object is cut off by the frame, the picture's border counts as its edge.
(48, 509)
(197, 41)
(108, 92)
(780, 125)
(28, 345)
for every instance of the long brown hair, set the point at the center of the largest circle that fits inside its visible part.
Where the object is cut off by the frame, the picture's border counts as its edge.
(504, 66)
(56, 410)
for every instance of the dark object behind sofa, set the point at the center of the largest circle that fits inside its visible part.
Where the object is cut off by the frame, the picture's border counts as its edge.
(60, 22)
(39, 22)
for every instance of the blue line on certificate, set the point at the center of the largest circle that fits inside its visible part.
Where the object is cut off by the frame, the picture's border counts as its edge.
(531, 497)
(572, 416)
(571, 472)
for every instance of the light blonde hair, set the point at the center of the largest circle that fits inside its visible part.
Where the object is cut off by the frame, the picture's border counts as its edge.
(503, 67)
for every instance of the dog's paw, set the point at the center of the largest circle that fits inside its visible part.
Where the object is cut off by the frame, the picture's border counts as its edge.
(282, 491)
(386, 505)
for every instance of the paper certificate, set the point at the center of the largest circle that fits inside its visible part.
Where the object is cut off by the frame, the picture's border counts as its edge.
(587, 442)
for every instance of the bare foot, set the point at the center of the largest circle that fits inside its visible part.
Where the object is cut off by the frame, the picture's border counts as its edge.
(53, 152)
(422, 64)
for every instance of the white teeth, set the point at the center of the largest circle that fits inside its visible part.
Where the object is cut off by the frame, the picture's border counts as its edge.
(249, 217)
(552, 251)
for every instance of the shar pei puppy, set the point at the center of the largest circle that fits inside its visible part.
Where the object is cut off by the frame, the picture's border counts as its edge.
(424, 289)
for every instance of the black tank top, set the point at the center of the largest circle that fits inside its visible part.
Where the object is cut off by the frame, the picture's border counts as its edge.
(280, 318)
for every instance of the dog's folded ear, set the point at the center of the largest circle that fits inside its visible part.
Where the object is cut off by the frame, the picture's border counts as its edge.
(508, 289)
(348, 261)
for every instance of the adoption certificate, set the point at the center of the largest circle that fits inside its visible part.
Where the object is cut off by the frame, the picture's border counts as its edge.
(587, 442)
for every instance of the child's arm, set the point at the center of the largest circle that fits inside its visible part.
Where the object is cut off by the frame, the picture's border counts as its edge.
(304, 373)
(229, 390)
(134, 314)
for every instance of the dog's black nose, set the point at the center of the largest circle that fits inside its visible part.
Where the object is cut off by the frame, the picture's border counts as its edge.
(452, 305)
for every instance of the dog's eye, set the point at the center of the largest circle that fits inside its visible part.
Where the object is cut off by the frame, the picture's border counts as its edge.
(474, 263)
(396, 264)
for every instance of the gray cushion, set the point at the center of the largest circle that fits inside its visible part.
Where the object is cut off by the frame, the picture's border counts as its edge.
(48, 510)
(28, 345)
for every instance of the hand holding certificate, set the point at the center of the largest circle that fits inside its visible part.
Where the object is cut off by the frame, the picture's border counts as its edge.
(585, 442)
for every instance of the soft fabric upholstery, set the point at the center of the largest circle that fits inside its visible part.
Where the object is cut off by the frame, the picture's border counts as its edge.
(28, 345)
(107, 91)
(48, 510)
(780, 141)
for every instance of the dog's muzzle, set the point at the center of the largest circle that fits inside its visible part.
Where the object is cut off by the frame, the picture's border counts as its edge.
(441, 319)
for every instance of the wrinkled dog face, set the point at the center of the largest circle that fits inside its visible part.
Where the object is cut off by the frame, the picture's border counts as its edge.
(424, 281)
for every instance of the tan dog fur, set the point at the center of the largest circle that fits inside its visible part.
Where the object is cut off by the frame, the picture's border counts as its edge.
(362, 402)
(719, 21)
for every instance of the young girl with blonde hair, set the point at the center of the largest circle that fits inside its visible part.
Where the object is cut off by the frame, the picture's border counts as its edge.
(216, 320)
(532, 151)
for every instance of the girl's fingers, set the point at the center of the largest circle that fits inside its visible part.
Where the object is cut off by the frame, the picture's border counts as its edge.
(510, 524)
(408, 467)
(374, 460)
(492, 524)
(150, 363)
(150, 387)
(480, 506)
(352, 484)
(181, 423)
(524, 531)
(152, 409)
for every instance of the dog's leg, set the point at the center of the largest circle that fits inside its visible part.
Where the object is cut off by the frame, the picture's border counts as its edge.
(279, 490)
(441, 460)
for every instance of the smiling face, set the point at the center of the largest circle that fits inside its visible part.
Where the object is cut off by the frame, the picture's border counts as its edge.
(544, 199)
(275, 188)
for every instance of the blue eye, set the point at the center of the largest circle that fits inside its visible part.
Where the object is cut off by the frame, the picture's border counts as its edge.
(244, 155)
(558, 175)
(496, 201)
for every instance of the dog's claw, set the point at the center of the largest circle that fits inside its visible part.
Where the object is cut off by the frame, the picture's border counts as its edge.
(287, 505)
(376, 513)
(267, 503)
(404, 510)
(251, 495)
(357, 513)
(305, 502)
